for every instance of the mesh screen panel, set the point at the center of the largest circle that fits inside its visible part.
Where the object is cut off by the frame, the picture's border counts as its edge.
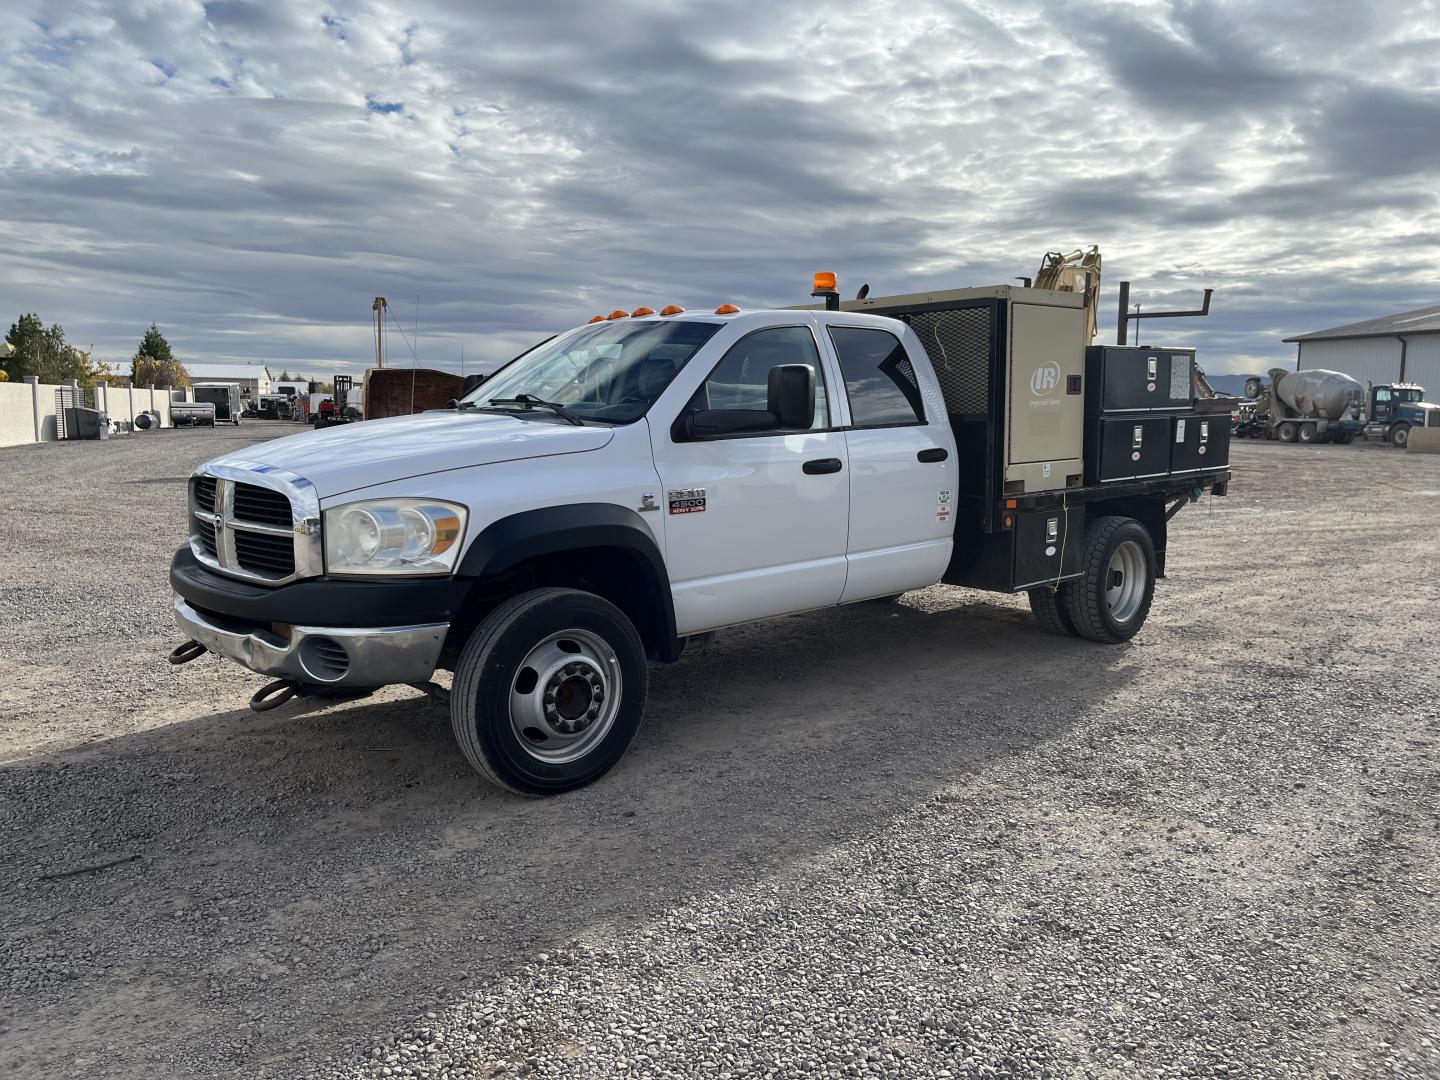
(958, 344)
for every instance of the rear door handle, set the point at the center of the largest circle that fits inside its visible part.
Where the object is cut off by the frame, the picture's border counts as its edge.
(821, 466)
(935, 453)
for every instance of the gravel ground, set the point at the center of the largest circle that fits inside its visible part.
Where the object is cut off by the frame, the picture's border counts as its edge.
(917, 840)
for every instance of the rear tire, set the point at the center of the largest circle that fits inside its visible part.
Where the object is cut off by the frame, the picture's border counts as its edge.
(549, 691)
(1111, 601)
(1287, 432)
(1308, 433)
(1049, 611)
(1400, 436)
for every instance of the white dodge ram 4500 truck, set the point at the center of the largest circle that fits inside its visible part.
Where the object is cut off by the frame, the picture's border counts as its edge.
(647, 478)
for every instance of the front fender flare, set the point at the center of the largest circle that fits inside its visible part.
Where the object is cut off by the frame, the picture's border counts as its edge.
(551, 530)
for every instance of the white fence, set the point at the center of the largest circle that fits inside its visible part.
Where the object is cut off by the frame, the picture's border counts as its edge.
(27, 409)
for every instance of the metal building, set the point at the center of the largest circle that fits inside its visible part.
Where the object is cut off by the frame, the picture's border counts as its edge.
(254, 379)
(1396, 348)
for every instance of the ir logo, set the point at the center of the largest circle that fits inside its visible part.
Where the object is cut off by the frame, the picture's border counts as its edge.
(1045, 379)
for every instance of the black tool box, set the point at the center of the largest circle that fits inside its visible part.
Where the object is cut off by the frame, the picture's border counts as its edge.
(1199, 441)
(1125, 379)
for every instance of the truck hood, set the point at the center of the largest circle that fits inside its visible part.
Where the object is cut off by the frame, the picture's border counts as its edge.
(340, 459)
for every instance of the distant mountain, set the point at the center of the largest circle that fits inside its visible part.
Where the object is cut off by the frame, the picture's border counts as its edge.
(1230, 385)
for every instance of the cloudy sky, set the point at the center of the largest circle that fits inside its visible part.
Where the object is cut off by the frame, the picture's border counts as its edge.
(251, 174)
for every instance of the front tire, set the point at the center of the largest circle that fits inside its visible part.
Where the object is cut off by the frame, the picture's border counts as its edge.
(1400, 436)
(549, 691)
(1111, 601)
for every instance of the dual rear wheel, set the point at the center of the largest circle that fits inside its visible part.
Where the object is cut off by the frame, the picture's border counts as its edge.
(1110, 601)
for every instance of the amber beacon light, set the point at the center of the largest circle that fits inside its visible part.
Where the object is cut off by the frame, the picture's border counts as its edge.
(826, 289)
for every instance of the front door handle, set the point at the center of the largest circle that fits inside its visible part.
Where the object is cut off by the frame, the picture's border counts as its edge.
(821, 466)
(935, 453)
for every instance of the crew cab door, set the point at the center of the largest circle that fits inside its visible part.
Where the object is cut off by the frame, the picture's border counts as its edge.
(755, 520)
(902, 463)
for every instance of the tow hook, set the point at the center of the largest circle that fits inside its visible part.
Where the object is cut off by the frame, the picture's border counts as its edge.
(274, 694)
(183, 654)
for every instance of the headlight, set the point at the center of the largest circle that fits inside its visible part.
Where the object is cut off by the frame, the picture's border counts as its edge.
(393, 536)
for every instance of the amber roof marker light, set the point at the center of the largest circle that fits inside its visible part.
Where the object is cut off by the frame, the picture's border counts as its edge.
(618, 314)
(727, 309)
(672, 309)
(642, 311)
(597, 318)
(827, 289)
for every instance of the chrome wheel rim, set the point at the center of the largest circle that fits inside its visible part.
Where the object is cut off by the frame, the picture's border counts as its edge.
(1125, 581)
(565, 696)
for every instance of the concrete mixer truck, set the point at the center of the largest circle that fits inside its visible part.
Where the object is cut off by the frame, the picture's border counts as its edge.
(1316, 405)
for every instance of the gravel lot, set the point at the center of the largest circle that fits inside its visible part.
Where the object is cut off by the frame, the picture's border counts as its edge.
(913, 840)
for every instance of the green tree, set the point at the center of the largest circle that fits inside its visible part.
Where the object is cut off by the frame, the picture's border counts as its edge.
(154, 346)
(284, 377)
(42, 351)
(26, 354)
(154, 363)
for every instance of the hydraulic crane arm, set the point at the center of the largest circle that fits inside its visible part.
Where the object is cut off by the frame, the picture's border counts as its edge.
(1074, 271)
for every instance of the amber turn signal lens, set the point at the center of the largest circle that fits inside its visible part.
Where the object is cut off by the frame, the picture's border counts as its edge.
(727, 309)
(639, 311)
(618, 314)
(672, 309)
(824, 281)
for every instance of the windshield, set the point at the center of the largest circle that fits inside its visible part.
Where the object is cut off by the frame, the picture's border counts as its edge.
(1411, 393)
(611, 372)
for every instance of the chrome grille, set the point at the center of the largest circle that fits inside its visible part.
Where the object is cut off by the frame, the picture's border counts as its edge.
(205, 531)
(262, 505)
(267, 532)
(204, 488)
(269, 556)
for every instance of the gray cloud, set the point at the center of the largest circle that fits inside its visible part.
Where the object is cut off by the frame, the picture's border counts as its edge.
(225, 168)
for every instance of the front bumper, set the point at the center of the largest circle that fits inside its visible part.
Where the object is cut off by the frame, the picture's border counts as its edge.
(357, 657)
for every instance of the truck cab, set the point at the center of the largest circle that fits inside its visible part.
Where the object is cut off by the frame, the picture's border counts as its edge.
(642, 481)
(1395, 408)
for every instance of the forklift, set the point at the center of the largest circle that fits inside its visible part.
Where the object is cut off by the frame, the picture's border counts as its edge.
(333, 409)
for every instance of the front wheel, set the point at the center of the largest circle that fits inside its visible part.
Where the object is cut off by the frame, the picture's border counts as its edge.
(1400, 435)
(549, 691)
(1110, 602)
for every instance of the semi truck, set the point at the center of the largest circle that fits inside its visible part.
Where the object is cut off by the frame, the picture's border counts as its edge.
(1317, 405)
(630, 486)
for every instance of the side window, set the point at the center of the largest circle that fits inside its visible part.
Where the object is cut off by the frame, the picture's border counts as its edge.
(880, 382)
(1382, 394)
(741, 380)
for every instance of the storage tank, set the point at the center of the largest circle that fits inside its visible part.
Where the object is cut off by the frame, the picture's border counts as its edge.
(1317, 393)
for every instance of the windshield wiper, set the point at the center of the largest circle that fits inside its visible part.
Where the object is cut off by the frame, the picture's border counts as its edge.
(531, 400)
